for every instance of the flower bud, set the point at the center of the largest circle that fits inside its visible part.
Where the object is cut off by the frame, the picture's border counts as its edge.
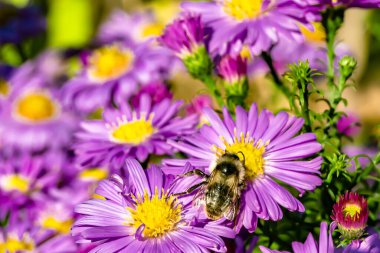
(185, 37)
(347, 66)
(233, 71)
(351, 215)
(199, 65)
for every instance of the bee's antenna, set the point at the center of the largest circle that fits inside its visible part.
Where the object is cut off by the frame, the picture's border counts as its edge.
(240, 152)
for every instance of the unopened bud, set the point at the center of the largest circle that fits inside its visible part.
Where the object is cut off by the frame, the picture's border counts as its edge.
(347, 66)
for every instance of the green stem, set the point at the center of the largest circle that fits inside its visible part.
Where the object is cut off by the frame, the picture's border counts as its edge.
(330, 39)
(268, 60)
(305, 106)
(236, 93)
(211, 86)
(332, 20)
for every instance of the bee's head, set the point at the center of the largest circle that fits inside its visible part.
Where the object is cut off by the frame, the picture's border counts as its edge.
(235, 156)
(232, 156)
(231, 164)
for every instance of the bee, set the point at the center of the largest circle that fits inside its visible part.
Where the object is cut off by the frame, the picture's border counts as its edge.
(220, 191)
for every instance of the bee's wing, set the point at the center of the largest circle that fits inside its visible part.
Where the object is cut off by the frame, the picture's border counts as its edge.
(232, 211)
(199, 197)
(233, 208)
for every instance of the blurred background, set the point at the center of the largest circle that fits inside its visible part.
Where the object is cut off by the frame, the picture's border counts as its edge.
(27, 27)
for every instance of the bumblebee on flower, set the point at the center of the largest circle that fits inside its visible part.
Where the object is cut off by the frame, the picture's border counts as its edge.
(266, 146)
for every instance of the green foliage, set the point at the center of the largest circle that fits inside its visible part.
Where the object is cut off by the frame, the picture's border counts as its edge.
(199, 64)
(338, 167)
(236, 93)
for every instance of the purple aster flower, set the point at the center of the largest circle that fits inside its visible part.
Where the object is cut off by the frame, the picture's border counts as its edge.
(43, 223)
(112, 74)
(348, 125)
(16, 237)
(141, 215)
(32, 116)
(266, 145)
(21, 179)
(158, 91)
(136, 29)
(22, 235)
(126, 132)
(53, 211)
(257, 25)
(184, 36)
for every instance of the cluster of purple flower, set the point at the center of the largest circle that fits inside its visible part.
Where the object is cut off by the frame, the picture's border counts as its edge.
(103, 134)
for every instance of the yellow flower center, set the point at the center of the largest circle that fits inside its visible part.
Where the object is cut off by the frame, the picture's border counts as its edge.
(158, 215)
(110, 62)
(152, 30)
(12, 245)
(245, 53)
(242, 9)
(133, 132)
(249, 153)
(36, 107)
(318, 35)
(352, 210)
(4, 88)
(14, 183)
(62, 227)
(94, 174)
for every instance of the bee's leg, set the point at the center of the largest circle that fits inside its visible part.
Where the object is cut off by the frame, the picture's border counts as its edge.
(195, 172)
(191, 189)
